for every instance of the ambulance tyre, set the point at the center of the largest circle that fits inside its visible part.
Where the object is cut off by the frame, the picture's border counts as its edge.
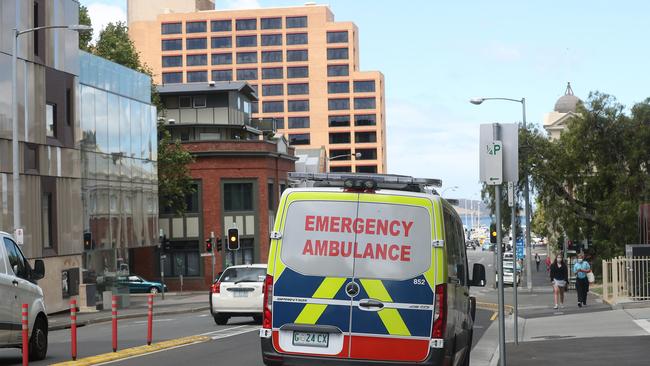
(220, 319)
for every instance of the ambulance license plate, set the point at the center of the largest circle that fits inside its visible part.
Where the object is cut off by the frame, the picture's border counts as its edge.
(311, 339)
(240, 294)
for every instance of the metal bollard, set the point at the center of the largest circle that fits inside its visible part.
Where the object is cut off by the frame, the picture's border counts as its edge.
(73, 328)
(149, 319)
(114, 318)
(25, 324)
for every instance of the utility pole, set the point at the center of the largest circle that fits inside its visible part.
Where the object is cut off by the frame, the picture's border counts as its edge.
(213, 248)
(161, 238)
(513, 204)
(501, 298)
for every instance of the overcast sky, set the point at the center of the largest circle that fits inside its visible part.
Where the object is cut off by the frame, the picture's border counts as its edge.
(436, 55)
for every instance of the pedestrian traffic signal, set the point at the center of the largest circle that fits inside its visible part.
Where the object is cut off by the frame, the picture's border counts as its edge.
(493, 233)
(218, 244)
(208, 245)
(166, 245)
(88, 241)
(233, 239)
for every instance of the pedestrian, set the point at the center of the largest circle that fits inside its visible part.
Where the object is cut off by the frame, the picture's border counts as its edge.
(581, 268)
(548, 263)
(537, 260)
(559, 278)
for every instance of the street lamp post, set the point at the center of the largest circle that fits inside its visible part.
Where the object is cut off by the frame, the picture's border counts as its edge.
(14, 101)
(529, 280)
(448, 188)
(356, 155)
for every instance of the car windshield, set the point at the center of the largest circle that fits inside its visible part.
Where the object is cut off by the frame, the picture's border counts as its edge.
(243, 274)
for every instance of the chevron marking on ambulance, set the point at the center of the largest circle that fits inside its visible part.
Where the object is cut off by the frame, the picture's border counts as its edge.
(327, 290)
(389, 316)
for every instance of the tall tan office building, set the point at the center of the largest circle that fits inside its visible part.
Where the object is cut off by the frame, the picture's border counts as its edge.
(303, 64)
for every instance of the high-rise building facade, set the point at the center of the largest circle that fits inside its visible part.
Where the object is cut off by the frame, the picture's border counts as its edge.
(303, 64)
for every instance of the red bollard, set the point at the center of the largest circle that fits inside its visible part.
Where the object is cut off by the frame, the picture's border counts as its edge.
(25, 323)
(73, 328)
(149, 320)
(114, 316)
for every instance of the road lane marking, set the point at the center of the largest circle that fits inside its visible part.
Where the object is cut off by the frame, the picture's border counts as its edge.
(494, 316)
(223, 330)
(249, 328)
(644, 324)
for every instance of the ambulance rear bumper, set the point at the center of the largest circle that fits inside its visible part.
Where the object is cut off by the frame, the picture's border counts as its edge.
(272, 358)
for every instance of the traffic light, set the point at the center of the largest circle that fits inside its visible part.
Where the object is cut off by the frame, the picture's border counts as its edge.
(166, 245)
(233, 239)
(493, 233)
(208, 245)
(88, 241)
(218, 242)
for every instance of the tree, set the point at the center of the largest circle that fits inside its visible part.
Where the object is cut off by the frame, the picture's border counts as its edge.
(114, 44)
(87, 36)
(174, 180)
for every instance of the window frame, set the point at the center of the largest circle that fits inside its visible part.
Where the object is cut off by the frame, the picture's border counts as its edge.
(246, 37)
(169, 57)
(347, 53)
(291, 139)
(179, 24)
(217, 47)
(196, 72)
(221, 21)
(194, 56)
(297, 52)
(51, 133)
(294, 68)
(287, 19)
(163, 42)
(268, 53)
(196, 22)
(267, 70)
(216, 54)
(290, 85)
(188, 40)
(278, 19)
(294, 42)
(224, 72)
(333, 39)
(245, 21)
(264, 37)
(169, 74)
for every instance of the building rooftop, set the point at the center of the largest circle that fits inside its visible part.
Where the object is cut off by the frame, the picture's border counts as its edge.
(568, 102)
(213, 86)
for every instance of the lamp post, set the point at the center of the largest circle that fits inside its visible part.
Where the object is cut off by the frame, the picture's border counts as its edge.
(14, 101)
(356, 155)
(453, 188)
(529, 280)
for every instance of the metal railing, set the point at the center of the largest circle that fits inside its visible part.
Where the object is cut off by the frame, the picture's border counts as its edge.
(626, 279)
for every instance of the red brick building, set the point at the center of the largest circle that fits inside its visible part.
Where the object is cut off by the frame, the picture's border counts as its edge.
(240, 170)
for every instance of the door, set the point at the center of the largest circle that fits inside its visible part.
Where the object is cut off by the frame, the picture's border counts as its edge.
(24, 293)
(392, 314)
(8, 300)
(137, 284)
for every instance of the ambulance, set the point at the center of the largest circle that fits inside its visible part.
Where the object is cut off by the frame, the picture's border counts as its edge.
(367, 269)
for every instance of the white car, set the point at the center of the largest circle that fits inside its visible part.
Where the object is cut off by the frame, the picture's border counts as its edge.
(508, 276)
(17, 287)
(238, 292)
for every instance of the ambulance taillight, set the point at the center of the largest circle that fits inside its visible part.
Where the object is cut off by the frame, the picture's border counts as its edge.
(268, 302)
(440, 312)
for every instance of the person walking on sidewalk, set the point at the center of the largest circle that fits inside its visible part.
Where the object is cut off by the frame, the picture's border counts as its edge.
(548, 263)
(559, 278)
(537, 260)
(581, 268)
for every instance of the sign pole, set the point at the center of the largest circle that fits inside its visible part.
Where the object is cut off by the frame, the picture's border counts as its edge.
(162, 263)
(213, 248)
(497, 203)
(515, 249)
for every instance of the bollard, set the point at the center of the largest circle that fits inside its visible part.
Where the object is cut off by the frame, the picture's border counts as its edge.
(114, 318)
(25, 323)
(73, 328)
(149, 319)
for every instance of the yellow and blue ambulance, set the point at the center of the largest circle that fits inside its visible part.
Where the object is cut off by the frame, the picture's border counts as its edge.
(367, 269)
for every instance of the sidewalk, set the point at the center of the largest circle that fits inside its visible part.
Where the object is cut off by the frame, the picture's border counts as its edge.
(174, 303)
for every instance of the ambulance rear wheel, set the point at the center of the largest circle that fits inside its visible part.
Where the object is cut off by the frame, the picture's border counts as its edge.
(220, 319)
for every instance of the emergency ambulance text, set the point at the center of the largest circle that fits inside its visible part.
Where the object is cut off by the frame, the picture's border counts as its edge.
(333, 248)
(369, 226)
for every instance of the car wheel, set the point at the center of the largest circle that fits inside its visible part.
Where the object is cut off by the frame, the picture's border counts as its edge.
(154, 290)
(220, 319)
(258, 319)
(38, 340)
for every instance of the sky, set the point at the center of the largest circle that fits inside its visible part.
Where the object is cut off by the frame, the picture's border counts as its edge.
(436, 55)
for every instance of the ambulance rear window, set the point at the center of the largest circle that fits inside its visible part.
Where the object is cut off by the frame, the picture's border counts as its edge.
(373, 240)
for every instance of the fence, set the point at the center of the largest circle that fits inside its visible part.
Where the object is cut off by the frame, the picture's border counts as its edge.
(626, 279)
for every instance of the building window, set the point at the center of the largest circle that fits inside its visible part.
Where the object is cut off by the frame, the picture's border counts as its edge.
(171, 28)
(199, 101)
(246, 57)
(221, 75)
(172, 44)
(298, 122)
(296, 22)
(30, 163)
(192, 199)
(46, 218)
(238, 196)
(172, 77)
(340, 169)
(196, 60)
(364, 103)
(272, 73)
(172, 61)
(246, 24)
(296, 38)
(197, 76)
(339, 138)
(367, 154)
(338, 70)
(339, 121)
(246, 74)
(196, 27)
(297, 72)
(68, 107)
(271, 56)
(279, 122)
(270, 188)
(246, 41)
(298, 89)
(340, 154)
(299, 139)
(50, 120)
(367, 169)
(183, 263)
(338, 87)
(366, 86)
(365, 120)
(271, 23)
(273, 107)
(298, 105)
(337, 54)
(337, 37)
(196, 43)
(364, 137)
(273, 89)
(338, 104)
(297, 55)
(185, 102)
(221, 25)
(36, 24)
(221, 42)
(271, 39)
(222, 58)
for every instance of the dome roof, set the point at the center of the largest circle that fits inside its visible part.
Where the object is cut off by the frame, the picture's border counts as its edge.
(568, 102)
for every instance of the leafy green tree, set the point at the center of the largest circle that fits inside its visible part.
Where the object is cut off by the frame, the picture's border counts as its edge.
(114, 44)
(174, 180)
(86, 36)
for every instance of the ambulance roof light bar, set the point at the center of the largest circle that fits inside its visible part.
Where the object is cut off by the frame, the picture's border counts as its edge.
(382, 180)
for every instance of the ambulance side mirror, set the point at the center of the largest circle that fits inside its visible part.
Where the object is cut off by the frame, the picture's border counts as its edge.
(478, 275)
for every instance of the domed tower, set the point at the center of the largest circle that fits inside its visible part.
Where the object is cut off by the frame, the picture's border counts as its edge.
(565, 107)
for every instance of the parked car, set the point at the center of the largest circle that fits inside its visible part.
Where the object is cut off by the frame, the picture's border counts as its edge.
(238, 292)
(138, 284)
(18, 286)
(507, 276)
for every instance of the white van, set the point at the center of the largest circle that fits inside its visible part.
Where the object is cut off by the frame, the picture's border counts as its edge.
(18, 286)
